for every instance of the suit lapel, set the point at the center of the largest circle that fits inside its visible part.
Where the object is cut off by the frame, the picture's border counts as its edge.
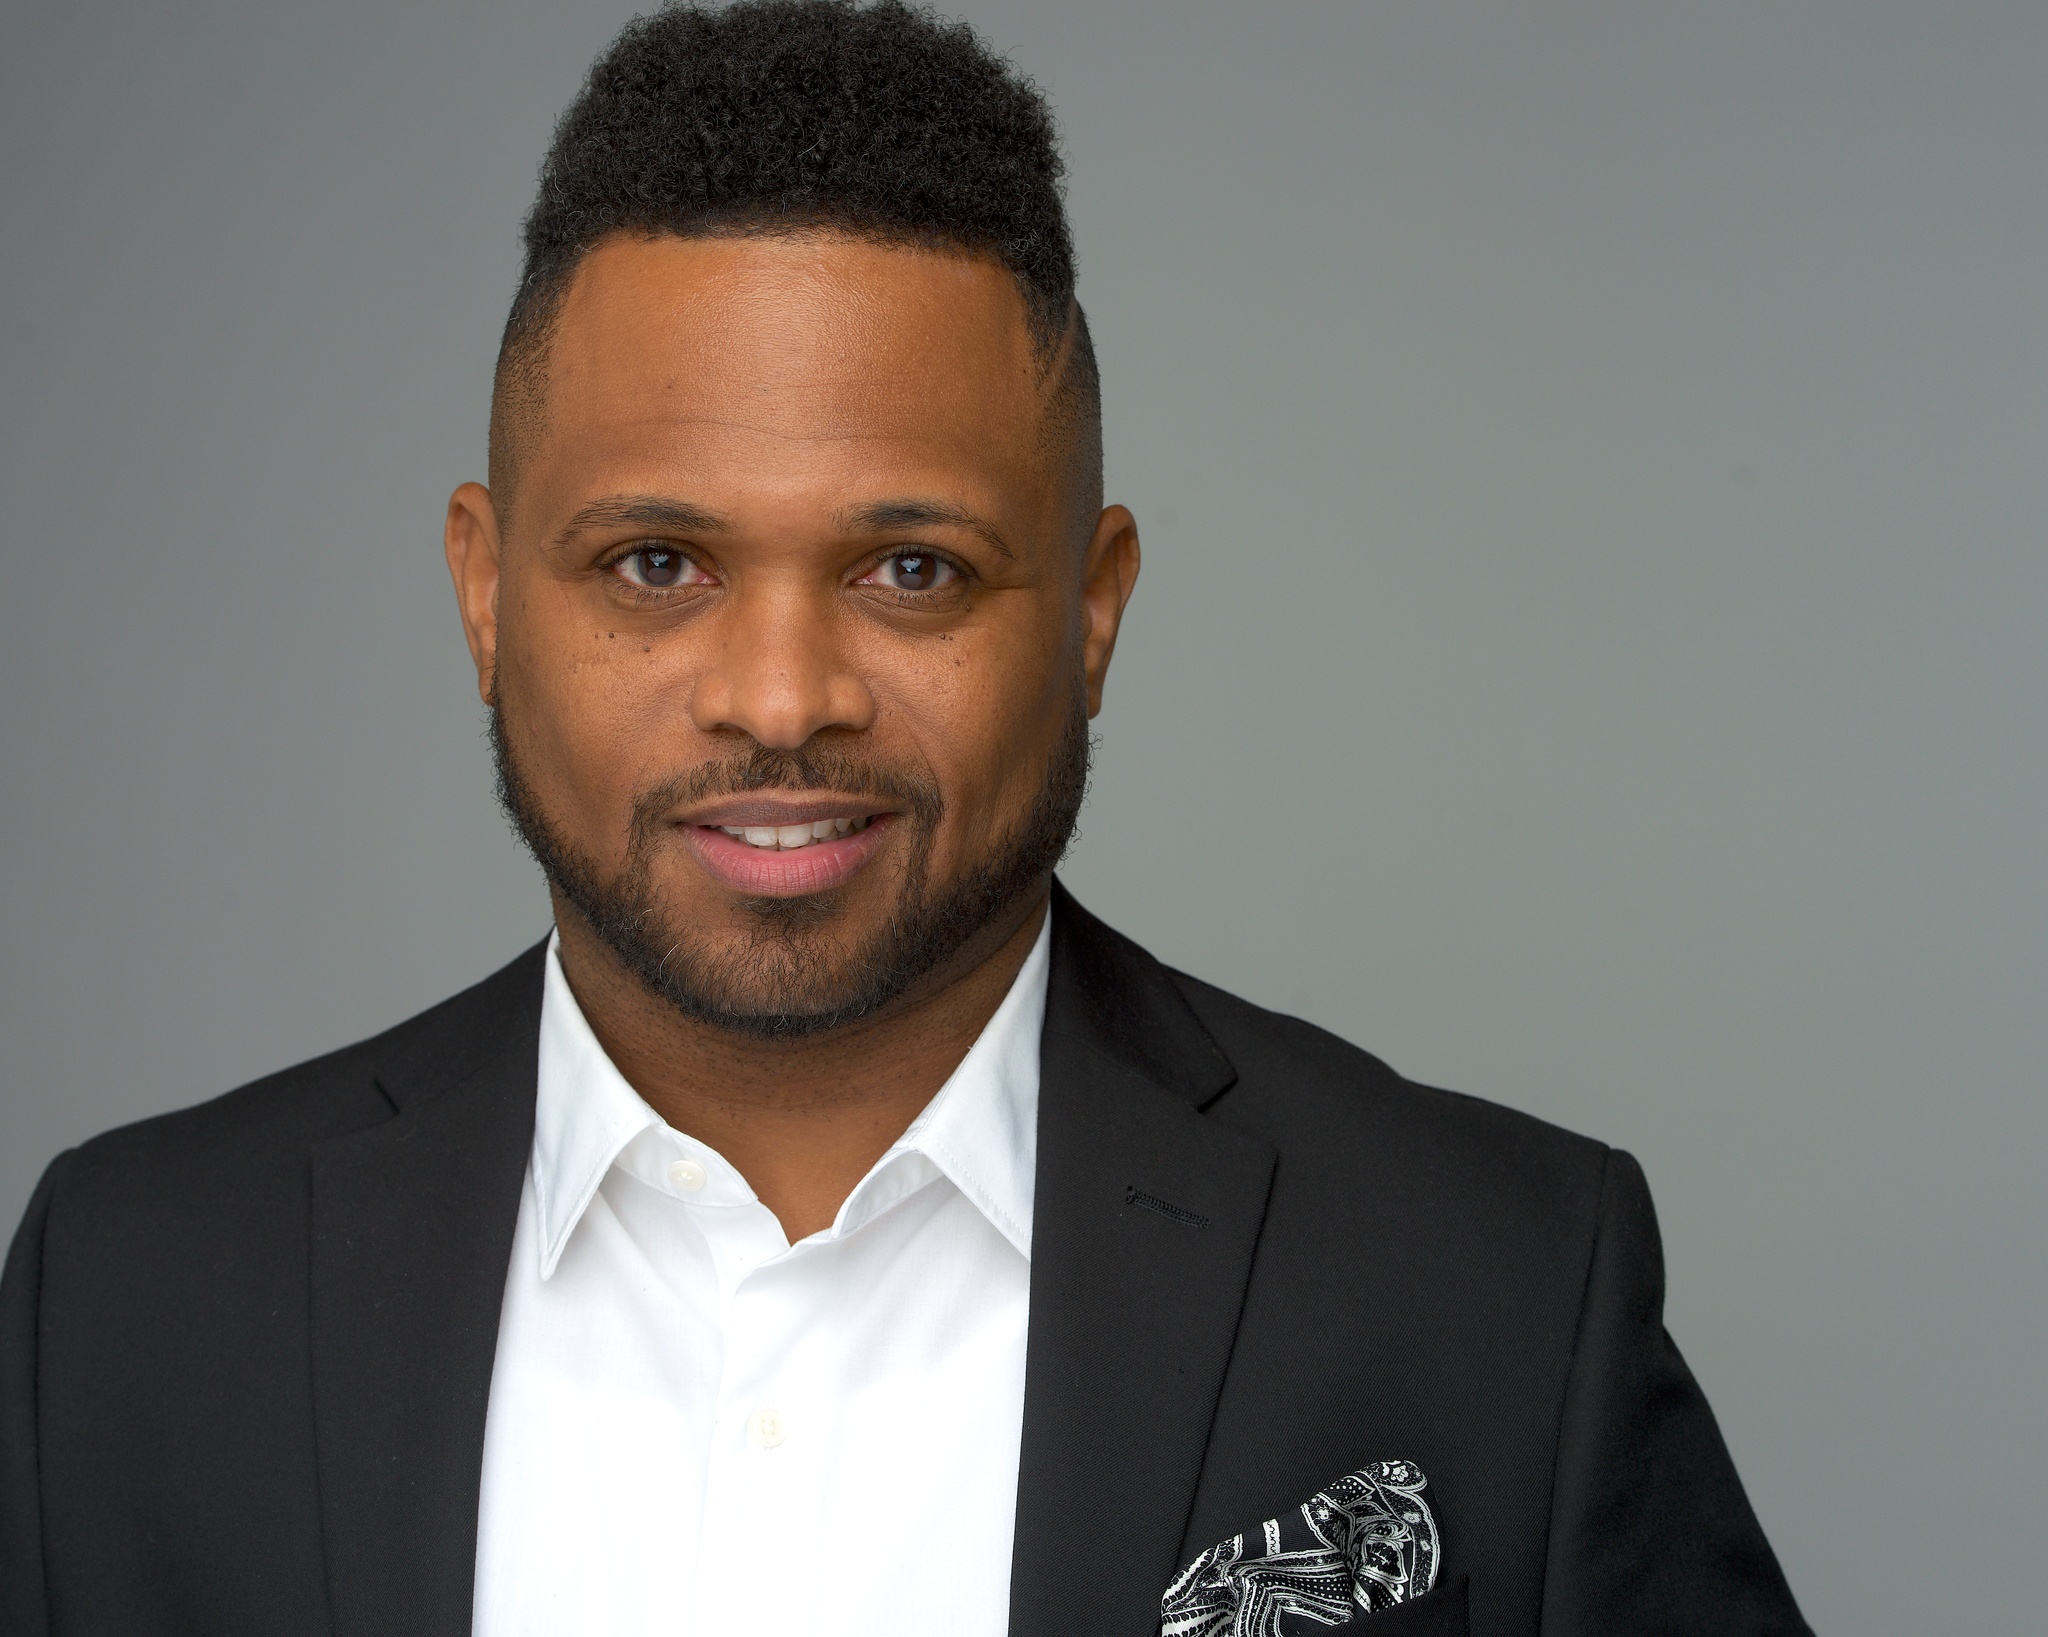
(412, 1233)
(1146, 1218)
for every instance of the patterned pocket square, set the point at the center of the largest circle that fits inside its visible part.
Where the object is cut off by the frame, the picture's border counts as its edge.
(1365, 1543)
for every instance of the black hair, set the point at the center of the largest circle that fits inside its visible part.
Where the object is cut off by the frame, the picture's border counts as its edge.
(785, 116)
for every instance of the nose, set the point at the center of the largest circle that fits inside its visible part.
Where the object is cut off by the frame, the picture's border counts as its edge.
(781, 672)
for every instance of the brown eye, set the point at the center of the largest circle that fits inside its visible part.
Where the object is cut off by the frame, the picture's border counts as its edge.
(915, 571)
(657, 567)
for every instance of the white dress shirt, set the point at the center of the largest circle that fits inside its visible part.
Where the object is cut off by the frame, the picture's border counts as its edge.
(697, 1427)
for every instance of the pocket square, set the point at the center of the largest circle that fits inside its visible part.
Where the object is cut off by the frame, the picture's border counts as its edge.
(1365, 1543)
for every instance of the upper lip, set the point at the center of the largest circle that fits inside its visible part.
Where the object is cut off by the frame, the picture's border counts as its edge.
(792, 808)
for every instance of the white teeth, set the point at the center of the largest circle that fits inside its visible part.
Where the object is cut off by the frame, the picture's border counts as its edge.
(789, 837)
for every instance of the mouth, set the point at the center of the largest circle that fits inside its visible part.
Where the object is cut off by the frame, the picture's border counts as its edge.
(787, 838)
(785, 847)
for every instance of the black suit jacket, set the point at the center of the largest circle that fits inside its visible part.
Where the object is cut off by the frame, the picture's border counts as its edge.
(245, 1350)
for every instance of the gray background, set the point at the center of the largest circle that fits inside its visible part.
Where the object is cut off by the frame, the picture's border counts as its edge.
(1590, 650)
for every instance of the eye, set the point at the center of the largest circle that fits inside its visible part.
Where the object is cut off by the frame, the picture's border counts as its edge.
(656, 566)
(912, 571)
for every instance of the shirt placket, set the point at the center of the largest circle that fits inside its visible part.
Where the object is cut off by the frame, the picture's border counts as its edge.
(763, 1474)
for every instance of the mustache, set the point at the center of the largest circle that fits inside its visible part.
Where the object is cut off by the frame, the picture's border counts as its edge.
(819, 764)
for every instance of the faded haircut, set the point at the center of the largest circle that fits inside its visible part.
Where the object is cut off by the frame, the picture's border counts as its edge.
(879, 121)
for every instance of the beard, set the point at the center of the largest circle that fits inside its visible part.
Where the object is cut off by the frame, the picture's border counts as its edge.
(793, 978)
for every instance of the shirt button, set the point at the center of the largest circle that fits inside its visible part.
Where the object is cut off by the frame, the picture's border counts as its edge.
(687, 1175)
(765, 1428)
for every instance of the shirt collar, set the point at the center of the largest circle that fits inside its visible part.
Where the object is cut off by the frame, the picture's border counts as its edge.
(980, 1132)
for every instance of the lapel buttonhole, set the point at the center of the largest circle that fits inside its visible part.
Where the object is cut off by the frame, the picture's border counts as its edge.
(1174, 1213)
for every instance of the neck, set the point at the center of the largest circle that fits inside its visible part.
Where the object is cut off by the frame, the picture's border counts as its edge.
(802, 1120)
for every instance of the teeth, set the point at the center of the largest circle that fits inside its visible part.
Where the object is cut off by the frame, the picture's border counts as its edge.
(788, 837)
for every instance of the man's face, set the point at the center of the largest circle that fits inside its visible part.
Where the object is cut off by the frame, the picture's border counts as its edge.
(794, 634)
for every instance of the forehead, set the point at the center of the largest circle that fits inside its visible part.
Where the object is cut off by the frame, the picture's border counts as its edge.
(788, 364)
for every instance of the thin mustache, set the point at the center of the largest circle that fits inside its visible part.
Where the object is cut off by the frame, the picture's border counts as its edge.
(802, 769)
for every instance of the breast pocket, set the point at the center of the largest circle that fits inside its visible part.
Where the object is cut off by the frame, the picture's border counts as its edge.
(1441, 1613)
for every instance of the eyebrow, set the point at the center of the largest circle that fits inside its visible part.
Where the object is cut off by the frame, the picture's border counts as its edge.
(909, 513)
(643, 512)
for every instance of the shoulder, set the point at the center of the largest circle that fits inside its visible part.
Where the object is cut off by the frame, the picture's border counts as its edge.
(1348, 1131)
(230, 1137)
(1340, 1116)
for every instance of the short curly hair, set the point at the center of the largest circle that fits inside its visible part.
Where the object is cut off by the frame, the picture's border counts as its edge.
(787, 116)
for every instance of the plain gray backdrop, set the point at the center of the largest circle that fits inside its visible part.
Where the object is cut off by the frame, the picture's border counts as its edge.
(1592, 463)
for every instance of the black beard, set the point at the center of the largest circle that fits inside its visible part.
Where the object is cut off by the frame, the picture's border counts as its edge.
(788, 984)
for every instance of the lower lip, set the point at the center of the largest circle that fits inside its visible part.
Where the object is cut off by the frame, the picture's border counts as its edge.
(766, 872)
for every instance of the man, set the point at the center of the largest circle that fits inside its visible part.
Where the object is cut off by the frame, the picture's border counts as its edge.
(833, 1227)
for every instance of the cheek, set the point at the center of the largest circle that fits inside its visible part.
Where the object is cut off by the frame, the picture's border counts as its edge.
(985, 708)
(594, 708)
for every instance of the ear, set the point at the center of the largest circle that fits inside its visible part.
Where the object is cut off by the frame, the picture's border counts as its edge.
(473, 545)
(1109, 573)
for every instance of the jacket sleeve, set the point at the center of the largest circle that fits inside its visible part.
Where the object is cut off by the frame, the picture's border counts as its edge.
(1650, 1530)
(24, 1605)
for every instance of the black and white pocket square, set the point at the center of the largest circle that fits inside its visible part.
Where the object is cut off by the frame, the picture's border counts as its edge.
(1365, 1543)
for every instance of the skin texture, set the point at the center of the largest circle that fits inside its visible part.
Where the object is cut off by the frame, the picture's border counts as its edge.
(765, 391)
